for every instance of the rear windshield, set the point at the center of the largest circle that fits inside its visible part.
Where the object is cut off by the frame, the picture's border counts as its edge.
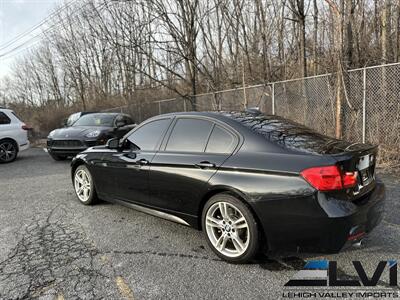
(289, 134)
(106, 120)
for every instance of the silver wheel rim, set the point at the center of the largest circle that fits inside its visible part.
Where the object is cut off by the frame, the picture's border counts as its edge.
(83, 185)
(7, 151)
(227, 229)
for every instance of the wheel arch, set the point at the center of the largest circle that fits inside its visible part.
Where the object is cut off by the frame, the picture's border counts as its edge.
(225, 190)
(74, 165)
(10, 139)
(240, 196)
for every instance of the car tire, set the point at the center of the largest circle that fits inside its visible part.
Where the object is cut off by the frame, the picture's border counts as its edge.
(230, 228)
(8, 151)
(84, 186)
(58, 157)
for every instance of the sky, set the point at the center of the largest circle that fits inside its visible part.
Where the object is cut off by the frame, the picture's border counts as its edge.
(16, 17)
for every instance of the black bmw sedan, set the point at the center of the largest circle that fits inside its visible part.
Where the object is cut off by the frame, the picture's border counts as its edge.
(247, 180)
(87, 131)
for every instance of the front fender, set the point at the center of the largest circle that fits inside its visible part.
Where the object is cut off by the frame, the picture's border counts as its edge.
(78, 160)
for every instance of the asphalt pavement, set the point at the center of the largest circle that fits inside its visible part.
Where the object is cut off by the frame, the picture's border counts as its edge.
(53, 247)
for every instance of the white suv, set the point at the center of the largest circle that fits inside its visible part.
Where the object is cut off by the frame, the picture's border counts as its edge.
(13, 136)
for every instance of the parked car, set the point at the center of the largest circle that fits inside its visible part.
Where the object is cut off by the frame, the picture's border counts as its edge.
(87, 131)
(244, 178)
(13, 135)
(74, 117)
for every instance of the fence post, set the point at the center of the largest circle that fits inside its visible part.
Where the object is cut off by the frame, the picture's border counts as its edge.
(364, 103)
(140, 111)
(184, 104)
(159, 107)
(273, 98)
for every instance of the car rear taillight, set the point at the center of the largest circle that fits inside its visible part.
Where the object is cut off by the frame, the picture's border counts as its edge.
(349, 179)
(25, 127)
(329, 178)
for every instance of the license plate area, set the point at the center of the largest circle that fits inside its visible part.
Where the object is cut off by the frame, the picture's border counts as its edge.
(364, 162)
(366, 169)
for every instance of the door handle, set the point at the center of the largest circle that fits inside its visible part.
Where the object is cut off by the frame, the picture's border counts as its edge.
(205, 165)
(143, 161)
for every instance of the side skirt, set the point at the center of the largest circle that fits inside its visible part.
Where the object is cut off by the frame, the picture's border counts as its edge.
(153, 212)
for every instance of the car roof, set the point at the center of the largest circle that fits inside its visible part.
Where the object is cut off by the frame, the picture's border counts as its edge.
(226, 116)
(223, 116)
(103, 113)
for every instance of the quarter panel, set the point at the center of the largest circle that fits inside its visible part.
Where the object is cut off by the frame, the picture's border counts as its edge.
(271, 184)
(279, 200)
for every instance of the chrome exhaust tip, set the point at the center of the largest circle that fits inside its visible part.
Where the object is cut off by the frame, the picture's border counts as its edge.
(358, 244)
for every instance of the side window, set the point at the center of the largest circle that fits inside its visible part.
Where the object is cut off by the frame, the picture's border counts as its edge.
(189, 135)
(120, 120)
(221, 141)
(4, 119)
(148, 136)
(128, 120)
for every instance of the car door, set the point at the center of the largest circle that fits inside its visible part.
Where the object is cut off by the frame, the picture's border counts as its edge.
(129, 168)
(194, 150)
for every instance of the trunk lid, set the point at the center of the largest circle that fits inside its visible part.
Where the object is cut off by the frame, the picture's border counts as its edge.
(360, 158)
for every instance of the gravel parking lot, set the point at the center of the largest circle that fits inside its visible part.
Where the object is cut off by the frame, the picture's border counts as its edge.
(51, 246)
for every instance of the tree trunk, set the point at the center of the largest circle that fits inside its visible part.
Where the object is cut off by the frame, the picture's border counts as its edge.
(302, 23)
(315, 38)
(348, 39)
(386, 29)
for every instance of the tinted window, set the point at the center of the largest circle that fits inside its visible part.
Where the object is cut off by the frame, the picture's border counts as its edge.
(189, 135)
(148, 136)
(124, 119)
(4, 119)
(120, 121)
(72, 119)
(221, 141)
(105, 120)
(128, 120)
(289, 134)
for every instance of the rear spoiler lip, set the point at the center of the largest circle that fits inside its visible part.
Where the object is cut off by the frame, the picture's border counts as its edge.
(347, 151)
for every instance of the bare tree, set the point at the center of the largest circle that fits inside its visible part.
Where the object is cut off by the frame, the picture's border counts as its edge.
(101, 53)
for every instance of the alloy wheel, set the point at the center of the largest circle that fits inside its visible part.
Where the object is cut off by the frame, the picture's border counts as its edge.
(8, 151)
(83, 185)
(227, 229)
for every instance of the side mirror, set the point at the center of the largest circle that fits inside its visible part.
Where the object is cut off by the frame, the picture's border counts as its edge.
(113, 143)
(64, 123)
(120, 123)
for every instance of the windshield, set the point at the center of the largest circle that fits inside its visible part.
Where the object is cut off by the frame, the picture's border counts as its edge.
(72, 119)
(104, 120)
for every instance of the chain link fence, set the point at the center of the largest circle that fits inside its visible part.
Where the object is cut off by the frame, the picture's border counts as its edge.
(370, 106)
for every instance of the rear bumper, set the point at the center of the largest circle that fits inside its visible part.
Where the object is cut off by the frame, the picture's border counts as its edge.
(24, 146)
(334, 225)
